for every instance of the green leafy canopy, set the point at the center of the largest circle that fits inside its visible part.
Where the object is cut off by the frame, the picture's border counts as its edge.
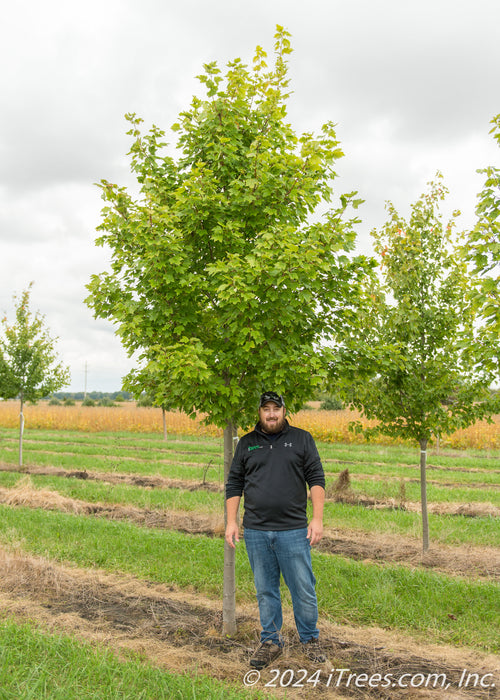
(28, 367)
(483, 253)
(222, 280)
(417, 365)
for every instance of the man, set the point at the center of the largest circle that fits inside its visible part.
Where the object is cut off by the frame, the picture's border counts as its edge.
(272, 467)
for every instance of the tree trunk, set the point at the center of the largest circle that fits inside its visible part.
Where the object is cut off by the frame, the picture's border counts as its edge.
(164, 416)
(229, 589)
(423, 494)
(21, 430)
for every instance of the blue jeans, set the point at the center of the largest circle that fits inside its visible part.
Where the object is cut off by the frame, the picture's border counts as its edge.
(287, 552)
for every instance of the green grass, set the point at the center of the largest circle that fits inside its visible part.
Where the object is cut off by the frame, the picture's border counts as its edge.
(413, 600)
(451, 476)
(429, 606)
(115, 439)
(117, 464)
(159, 555)
(385, 488)
(34, 664)
(198, 501)
(410, 456)
(144, 454)
(367, 459)
(446, 529)
(113, 443)
(202, 459)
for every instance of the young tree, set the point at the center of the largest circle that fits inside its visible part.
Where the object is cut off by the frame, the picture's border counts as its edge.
(219, 282)
(483, 252)
(27, 361)
(414, 366)
(146, 396)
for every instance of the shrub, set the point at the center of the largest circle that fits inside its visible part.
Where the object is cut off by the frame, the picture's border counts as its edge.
(332, 403)
(145, 400)
(107, 402)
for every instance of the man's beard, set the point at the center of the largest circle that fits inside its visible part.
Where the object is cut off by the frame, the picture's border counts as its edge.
(274, 427)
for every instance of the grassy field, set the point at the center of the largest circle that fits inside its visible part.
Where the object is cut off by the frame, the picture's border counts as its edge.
(112, 553)
(38, 665)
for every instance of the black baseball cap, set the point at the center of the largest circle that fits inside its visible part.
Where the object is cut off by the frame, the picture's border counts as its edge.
(271, 396)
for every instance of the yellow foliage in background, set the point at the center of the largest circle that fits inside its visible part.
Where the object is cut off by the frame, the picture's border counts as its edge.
(326, 426)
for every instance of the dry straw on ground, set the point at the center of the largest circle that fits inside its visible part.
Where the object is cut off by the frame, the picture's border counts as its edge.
(468, 560)
(179, 631)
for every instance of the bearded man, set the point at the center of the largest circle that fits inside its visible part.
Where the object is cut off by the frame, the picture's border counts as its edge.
(272, 467)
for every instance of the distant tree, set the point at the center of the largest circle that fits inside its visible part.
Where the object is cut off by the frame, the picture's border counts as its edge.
(28, 368)
(483, 252)
(149, 393)
(414, 364)
(218, 281)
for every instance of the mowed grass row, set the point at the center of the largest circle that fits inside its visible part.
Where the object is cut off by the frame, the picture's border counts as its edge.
(211, 463)
(36, 664)
(202, 460)
(152, 446)
(385, 486)
(398, 488)
(433, 607)
(445, 529)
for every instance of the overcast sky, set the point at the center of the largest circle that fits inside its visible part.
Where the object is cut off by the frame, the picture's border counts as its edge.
(411, 84)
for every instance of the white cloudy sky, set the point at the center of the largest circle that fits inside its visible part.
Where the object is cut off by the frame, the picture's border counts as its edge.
(411, 84)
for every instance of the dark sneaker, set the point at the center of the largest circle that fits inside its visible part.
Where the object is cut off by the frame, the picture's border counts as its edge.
(314, 652)
(264, 654)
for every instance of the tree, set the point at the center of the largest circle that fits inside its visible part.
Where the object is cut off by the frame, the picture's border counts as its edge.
(147, 395)
(218, 280)
(483, 252)
(415, 365)
(27, 357)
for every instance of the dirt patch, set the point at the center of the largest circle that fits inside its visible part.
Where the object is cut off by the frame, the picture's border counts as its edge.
(181, 631)
(462, 560)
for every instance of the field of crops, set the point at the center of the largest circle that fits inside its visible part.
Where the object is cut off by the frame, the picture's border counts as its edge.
(111, 557)
(327, 426)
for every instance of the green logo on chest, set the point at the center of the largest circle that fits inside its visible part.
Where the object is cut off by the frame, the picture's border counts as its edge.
(255, 447)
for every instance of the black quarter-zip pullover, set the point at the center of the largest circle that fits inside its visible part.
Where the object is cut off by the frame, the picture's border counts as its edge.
(272, 472)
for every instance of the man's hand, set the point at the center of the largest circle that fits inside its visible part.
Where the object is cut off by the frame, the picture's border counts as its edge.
(315, 531)
(232, 534)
